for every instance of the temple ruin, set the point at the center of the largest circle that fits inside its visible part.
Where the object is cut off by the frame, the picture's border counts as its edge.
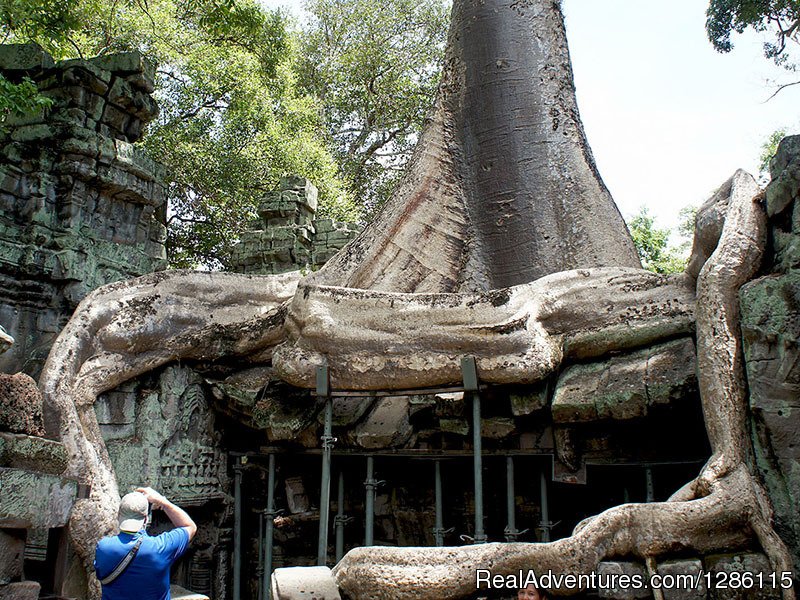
(466, 382)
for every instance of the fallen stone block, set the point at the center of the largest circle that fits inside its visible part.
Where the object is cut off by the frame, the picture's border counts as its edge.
(304, 583)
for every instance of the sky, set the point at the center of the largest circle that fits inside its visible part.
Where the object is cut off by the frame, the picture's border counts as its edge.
(668, 118)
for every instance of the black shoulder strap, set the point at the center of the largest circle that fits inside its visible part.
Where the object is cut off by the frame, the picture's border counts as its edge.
(123, 564)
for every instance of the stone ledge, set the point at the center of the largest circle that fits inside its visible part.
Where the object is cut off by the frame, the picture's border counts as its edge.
(21, 451)
(35, 500)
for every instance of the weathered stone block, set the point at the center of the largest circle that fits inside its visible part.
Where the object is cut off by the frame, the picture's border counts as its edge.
(21, 590)
(34, 499)
(24, 57)
(619, 572)
(304, 583)
(624, 387)
(20, 405)
(296, 498)
(387, 424)
(12, 547)
(124, 62)
(177, 592)
(347, 411)
(679, 571)
(497, 428)
(524, 402)
(735, 577)
(32, 453)
(456, 426)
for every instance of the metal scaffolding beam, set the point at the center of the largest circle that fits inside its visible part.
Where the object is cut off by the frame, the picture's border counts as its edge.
(323, 391)
(469, 372)
(340, 520)
(238, 466)
(260, 567)
(438, 530)
(370, 484)
(269, 523)
(544, 506)
(511, 533)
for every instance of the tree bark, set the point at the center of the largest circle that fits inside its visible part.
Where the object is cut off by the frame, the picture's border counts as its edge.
(502, 188)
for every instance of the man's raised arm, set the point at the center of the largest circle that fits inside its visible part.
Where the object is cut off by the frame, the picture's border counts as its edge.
(176, 514)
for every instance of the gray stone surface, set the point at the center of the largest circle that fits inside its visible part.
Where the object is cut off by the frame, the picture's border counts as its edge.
(627, 386)
(12, 547)
(304, 583)
(32, 499)
(176, 592)
(725, 570)
(386, 425)
(286, 237)
(21, 590)
(679, 570)
(172, 442)
(607, 569)
(20, 405)
(77, 198)
(33, 453)
(770, 322)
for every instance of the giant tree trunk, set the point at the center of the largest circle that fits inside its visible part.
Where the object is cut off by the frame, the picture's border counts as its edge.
(502, 188)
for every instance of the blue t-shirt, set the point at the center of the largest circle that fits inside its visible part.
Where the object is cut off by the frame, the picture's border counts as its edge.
(147, 576)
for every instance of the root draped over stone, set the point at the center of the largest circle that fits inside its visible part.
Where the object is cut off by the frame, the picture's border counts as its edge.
(725, 508)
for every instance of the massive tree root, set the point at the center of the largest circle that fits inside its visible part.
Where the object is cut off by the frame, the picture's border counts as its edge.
(383, 340)
(378, 339)
(723, 509)
(128, 328)
(371, 339)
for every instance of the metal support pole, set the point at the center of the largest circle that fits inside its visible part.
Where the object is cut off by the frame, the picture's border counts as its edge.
(269, 522)
(544, 506)
(260, 568)
(369, 505)
(340, 519)
(511, 533)
(438, 530)
(237, 527)
(323, 390)
(469, 373)
(648, 476)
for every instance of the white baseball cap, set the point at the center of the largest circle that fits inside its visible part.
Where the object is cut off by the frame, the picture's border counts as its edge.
(133, 511)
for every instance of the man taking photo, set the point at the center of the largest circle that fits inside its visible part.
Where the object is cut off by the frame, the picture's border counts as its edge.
(133, 565)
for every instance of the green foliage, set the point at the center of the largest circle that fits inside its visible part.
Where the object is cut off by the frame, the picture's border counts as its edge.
(768, 150)
(652, 243)
(245, 98)
(725, 17)
(20, 98)
(375, 66)
(232, 120)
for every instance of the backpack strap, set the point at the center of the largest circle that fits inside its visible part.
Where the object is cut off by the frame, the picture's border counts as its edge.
(123, 564)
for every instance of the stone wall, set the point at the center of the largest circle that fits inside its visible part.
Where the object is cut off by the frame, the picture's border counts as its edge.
(287, 237)
(770, 317)
(36, 499)
(78, 199)
(161, 432)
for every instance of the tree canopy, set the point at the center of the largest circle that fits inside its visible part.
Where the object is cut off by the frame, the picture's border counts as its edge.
(653, 243)
(246, 96)
(782, 17)
(375, 67)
